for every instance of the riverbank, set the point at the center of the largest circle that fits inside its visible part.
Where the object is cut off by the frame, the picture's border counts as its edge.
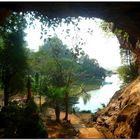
(89, 87)
(100, 96)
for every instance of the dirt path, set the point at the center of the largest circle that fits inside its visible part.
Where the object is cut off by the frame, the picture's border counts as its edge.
(75, 129)
(58, 130)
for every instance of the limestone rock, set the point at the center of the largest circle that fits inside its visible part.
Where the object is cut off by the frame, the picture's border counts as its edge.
(122, 114)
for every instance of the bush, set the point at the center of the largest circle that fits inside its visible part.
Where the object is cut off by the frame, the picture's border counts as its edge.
(127, 73)
(31, 125)
(22, 122)
(10, 116)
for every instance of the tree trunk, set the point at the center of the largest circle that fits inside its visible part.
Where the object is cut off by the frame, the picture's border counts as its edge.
(40, 103)
(66, 107)
(6, 79)
(57, 113)
(29, 93)
(6, 95)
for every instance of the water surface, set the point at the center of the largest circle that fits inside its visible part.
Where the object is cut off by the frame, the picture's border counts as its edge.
(100, 96)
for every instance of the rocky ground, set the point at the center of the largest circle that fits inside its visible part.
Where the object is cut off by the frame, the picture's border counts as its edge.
(122, 115)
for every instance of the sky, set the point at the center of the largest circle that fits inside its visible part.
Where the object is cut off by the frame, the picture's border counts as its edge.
(97, 44)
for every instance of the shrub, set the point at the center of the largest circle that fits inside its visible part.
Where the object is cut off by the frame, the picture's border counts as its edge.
(22, 122)
(10, 117)
(127, 73)
(31, 125)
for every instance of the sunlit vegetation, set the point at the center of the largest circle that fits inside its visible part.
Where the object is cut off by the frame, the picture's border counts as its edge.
(127, 73)
(60, 73)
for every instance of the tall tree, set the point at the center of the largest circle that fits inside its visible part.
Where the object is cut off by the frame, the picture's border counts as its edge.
(13, 56)
(58, 71)
(58, 76)
(60, 68)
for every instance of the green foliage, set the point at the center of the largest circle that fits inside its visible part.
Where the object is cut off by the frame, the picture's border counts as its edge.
(59, 69)
(13, 60)
(22, 121)
(86, 97)
(31, 126)
(90, 71)
(15, 22)
(56, 63)
(50, 22)
(110, 29)
(107, 28)
(127, 73)
(121, 33)
(56, 92)
(12, 54)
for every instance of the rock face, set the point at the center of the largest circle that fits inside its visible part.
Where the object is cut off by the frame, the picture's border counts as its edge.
(122, 115)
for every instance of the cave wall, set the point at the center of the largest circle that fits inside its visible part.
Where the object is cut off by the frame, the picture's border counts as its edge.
(122, 115)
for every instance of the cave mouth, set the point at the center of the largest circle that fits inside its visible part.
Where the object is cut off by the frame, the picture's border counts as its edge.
(97, 44)
(86, 32)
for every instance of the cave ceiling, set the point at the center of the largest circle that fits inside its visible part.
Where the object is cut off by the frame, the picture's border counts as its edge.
(125, 15)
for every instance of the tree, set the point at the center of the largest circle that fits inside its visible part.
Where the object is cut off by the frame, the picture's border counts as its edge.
(12, 56)
(59, 67)
(21, 121)
(58, 77)
(29, 93)
(90, 71)
(56, 67)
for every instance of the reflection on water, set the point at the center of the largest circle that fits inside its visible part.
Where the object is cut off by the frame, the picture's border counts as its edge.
(101, 96)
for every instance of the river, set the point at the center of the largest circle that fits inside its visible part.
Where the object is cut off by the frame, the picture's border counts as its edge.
(100, 96)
